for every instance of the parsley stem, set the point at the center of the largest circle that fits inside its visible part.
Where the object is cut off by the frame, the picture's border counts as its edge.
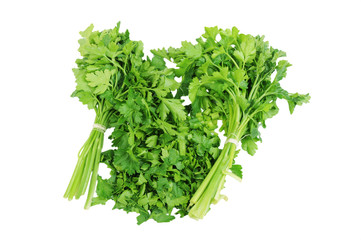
(235, 63)
(116, 64)
(254, 87)
(88, 159)
(206, 181)
(209, 191)
(94, 176)
(88, 166)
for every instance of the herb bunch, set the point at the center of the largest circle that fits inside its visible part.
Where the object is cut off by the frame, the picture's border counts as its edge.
(233, 78)
(102, 78)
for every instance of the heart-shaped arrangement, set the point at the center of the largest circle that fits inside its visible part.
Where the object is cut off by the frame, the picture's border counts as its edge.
(166, 157)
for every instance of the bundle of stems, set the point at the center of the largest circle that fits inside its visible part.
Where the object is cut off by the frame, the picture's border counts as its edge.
(89, 157)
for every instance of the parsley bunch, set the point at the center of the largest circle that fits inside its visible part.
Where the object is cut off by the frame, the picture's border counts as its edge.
(231, 77)
(109, 62)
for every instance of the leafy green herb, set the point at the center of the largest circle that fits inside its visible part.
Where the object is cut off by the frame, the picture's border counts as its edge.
(107, 68)
(232, 79)
(166, 158)
(155, 173)
(158, 160)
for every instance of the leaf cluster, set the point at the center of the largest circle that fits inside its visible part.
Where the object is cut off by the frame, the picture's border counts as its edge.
(109, 63)
(237, 76)
(157, 165)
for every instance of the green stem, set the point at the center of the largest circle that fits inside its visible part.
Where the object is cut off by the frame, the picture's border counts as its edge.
(77, 183)
(76, 170)
(265, 93)
(254, 88)
(235, 63)
(73, 184)
(93, 180)
(88, 159)
(116, 64)
(89, 165)
(206, 181)
(209, 191)
(214, 184)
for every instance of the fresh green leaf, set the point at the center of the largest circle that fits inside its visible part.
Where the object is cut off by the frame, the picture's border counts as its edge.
(237, 170)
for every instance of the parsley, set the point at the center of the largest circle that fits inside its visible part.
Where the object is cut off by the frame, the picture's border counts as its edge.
(230, 78)
(159, 158)
(103, 75)
(154, 171)
(166, 159)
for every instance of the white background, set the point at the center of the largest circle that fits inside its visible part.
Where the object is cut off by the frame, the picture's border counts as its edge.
(303, 183)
